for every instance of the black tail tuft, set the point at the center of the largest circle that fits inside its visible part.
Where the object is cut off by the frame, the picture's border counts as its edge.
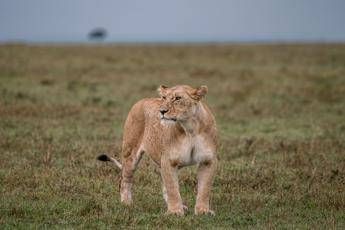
(103, 157)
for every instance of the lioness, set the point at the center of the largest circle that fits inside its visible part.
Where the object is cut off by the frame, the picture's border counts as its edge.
(176, 130)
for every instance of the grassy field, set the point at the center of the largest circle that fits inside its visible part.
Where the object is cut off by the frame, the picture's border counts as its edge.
(280, 111)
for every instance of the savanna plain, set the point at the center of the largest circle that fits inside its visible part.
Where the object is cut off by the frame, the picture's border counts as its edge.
(280, 111)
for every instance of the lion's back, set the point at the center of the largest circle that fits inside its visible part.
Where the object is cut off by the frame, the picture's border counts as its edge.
(144, 113)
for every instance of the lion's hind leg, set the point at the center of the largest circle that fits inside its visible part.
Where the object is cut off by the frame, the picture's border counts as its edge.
(129, 165)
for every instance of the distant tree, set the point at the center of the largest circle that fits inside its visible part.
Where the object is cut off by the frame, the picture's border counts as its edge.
(97, 34)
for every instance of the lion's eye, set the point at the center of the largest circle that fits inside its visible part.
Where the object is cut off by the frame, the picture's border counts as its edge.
(164, 97)
(177, 98)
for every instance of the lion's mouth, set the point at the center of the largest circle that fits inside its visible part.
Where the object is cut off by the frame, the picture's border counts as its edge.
(168, 118)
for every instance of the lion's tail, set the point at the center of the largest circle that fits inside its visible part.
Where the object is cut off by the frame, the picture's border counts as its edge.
(104, 157)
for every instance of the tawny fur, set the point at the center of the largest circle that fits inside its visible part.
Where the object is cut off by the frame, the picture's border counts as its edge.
(175, 130)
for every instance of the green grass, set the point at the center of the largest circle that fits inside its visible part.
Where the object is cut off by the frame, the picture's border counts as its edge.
(280, 111)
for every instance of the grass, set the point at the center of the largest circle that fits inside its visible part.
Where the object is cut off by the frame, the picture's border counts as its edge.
(280, 111)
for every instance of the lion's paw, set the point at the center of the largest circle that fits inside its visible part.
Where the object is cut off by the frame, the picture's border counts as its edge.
(178, 212)
(185, 207)
(204, 211)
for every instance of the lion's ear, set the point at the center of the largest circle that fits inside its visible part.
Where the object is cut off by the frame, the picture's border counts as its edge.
(200, 92)
(161, 89)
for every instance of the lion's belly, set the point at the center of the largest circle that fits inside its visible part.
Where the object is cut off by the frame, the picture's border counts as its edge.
(190, 151)
(183, 151)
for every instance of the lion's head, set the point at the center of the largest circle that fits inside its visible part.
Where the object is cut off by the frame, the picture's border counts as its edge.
(179, 103)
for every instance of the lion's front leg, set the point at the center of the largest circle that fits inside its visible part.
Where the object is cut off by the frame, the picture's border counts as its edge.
(165, 197)
(170, 183)
(206, 172)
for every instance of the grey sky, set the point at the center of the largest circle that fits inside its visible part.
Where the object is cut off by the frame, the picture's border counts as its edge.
(174, 20)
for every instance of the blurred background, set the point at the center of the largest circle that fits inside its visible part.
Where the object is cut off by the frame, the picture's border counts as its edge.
(70, 70)
(172, 21)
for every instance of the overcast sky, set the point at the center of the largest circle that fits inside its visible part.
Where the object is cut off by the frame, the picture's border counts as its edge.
(173, 20)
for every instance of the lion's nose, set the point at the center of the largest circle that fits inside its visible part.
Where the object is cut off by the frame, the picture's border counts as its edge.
(163, 111)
